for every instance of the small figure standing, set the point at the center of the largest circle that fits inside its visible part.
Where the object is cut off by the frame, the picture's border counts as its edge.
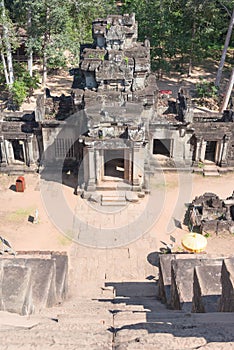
(36, 217)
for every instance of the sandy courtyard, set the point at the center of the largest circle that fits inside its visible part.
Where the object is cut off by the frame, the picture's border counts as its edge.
(94, 266)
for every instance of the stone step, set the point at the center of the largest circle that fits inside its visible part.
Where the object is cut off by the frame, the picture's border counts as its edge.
(113, 199)
(210, 170)
(114, 203)
(210, 173)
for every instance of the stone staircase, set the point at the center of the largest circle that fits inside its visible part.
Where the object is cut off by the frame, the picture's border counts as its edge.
(123, 315)
(114, 198)
(210, 170)
(127, 319)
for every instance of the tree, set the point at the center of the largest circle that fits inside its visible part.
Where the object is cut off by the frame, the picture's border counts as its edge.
(181, 32)
(5, 44)
(226, 44)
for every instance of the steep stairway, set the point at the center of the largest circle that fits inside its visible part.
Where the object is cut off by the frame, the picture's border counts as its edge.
(118, 323)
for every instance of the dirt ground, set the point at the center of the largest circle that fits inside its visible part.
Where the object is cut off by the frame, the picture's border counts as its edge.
(18, 209)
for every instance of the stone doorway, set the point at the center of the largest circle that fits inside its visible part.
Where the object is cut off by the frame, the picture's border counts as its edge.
(114, 163)
(162, 147)
(210, 151)
(18, 150)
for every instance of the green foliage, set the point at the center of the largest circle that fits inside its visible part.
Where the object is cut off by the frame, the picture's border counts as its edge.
(201, 165)
(22, 74)
(18, 93)
(180, 31)
(23, 85)
(207, 235)
(56, 61)
(206, 89)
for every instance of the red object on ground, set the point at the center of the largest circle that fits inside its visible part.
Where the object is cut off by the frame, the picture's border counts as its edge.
(165, 92)
(20, 184)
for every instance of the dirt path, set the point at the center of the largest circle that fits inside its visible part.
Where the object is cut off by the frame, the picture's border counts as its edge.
(92, 267)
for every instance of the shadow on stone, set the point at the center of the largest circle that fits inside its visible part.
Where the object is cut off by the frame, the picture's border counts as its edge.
(153, 258)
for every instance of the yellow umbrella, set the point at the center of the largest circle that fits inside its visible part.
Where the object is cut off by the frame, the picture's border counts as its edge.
(194, 242)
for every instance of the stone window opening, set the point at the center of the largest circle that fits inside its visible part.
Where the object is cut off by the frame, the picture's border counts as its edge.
(162, 147)
(64, 148)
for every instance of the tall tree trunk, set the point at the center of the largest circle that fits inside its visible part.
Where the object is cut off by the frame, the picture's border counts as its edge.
(5, 67)
(222, 61)
(192, 49)
(45, 44)
(30, 63)
(4, 63)
(7, 44)
(9, 62)
(30, 54)
(44, 75)
(228, 92)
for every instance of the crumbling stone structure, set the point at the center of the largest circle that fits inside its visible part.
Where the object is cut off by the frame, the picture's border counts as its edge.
(196, 282)
(31, 281)
(227, 280)
(113, 126)
(211, 214)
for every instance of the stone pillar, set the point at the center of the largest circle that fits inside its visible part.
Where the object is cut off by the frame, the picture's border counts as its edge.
(99, 165)
(138, 166)
(29, 147)
(128, 165)
(203, 150)
(224, 151)
(198, 150)
(91, 183)
(25, 152)
(218, 152)
(3, 153)
(228, 212)
(9, 152)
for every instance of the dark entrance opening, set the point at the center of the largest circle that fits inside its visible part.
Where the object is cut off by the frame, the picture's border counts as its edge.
(18, 150)
(114, 163)
(232, 212)
(162, 146)
(210, 151)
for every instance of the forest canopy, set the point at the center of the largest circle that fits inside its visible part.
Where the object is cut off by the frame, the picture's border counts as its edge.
(181, 32)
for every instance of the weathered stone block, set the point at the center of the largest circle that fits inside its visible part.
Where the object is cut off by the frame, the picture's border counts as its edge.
(206, 288)
(164, 281)
(132, 197)
(43, 272)
(61, 278)
(222, 227)
(182, 281)
(209, 227)
(227, 280)
(16, 289)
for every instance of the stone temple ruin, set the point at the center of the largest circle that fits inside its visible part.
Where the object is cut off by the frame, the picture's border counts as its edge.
(196, 282)
(211, 214)
(112, 127)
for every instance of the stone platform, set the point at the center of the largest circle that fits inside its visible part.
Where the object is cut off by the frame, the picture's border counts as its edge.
(31, 281)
